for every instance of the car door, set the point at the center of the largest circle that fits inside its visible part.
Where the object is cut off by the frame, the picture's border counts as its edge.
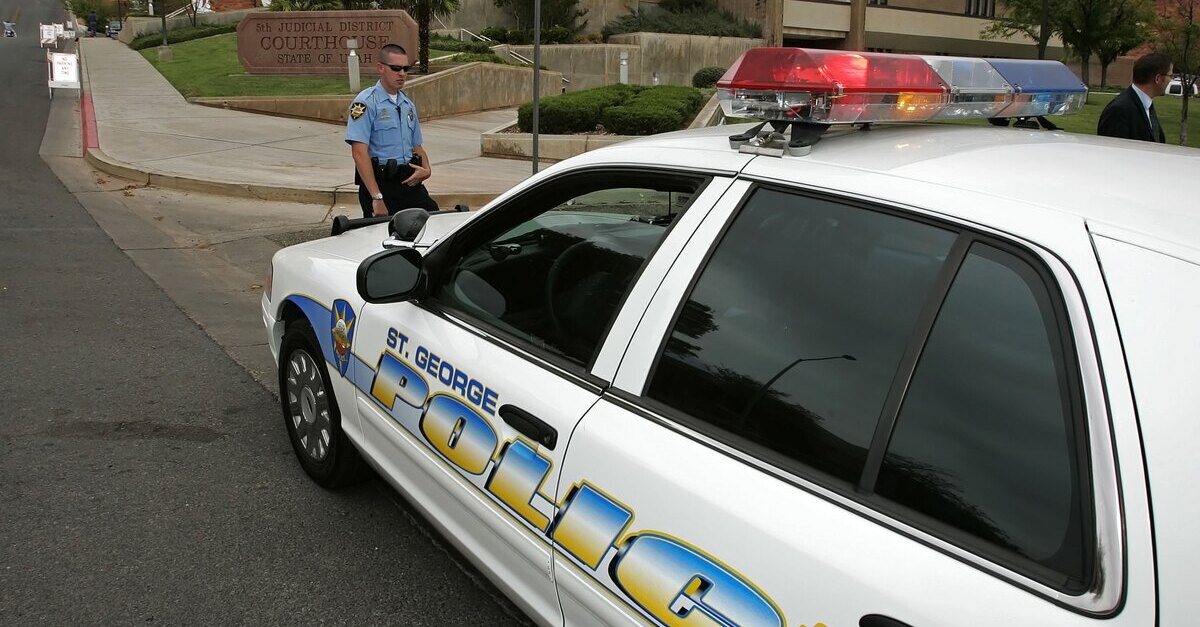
(839, 413)
(468, 396)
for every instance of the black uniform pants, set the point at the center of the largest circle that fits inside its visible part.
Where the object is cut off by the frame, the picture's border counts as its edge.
(396, 196)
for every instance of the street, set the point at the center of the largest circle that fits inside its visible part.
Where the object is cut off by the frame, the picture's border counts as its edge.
(145, 473)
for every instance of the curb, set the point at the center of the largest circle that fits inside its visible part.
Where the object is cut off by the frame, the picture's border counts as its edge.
(103, 162)
(343, 195)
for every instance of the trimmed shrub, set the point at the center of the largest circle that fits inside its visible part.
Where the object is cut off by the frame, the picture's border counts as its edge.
(498, 33)
(454, 45)
(641, 119)
(686, 99)
(556, 35)
(560, 116)
(519, 37)
(467, 57)
(707, 76)
(707, 21)
(621, 109)
(174, 36)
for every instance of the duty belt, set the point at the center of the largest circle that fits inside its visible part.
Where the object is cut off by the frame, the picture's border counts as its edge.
(391, 170)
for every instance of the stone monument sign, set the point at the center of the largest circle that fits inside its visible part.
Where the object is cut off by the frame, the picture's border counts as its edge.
(314, 42)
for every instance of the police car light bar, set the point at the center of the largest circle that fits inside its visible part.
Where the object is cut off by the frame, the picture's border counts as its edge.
(840, 87)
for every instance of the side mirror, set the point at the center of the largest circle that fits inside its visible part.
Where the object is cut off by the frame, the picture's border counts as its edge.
(391, 276)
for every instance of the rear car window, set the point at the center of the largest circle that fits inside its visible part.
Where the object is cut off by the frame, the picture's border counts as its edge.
(915, 368)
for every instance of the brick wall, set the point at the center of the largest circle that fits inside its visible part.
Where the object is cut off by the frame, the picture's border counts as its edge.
(233, 5)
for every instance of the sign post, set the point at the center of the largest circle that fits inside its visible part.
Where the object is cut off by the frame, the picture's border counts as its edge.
(63, 70)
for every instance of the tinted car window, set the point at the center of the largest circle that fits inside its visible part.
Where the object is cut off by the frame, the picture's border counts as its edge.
(556, 279)
(792, 334)
(984, 441)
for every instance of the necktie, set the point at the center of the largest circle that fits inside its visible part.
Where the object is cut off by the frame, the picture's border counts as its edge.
(1155, 129)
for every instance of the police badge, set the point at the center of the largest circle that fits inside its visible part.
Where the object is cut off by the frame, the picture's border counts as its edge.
(357, 110)
(342, 331)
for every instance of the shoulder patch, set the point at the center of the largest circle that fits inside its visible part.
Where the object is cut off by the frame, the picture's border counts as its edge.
(357, 110)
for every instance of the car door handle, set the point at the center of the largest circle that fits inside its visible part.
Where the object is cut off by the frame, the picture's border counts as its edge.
(878, 620)
(530, 426)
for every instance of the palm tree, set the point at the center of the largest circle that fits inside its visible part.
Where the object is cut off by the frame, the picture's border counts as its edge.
(423, 12)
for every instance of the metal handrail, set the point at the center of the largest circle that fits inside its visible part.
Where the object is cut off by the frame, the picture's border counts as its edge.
(520, 57)
(479, 37)
(198, 6)
(526, 60)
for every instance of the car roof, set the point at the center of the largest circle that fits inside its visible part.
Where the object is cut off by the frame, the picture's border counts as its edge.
(1120, 183)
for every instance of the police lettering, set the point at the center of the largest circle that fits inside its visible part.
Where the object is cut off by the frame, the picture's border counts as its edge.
(457, 380)
(667, 579)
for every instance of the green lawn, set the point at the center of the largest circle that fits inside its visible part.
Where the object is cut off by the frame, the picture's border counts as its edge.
(1168, 109)
(209, 67)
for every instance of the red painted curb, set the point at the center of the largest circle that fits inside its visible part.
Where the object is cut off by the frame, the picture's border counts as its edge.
(91, 138)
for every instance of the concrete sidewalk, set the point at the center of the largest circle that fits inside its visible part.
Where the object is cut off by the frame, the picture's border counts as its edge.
(147, 132)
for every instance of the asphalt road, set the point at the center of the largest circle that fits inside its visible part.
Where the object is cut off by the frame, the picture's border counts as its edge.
(144, 476)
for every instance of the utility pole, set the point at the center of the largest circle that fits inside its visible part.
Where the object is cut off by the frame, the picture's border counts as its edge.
(856, 38)
(537, 74)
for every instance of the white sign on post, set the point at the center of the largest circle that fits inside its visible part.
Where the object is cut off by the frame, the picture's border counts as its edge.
(64, 70)
(59, 31)
(48, 35)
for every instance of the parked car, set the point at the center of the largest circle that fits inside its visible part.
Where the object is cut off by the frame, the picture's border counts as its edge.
(1175, 88)
(818, 370)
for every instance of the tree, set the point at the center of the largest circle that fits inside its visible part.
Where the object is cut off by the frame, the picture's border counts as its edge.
(1083, 25)
(423, 12)
(565, 13)
(1128, 27)
(1028, 17)
(1179, 38)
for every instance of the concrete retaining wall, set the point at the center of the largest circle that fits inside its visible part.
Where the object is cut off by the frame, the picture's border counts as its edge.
(135, 27)
(463, 89)
(585, 65)
(475, 15)
(498, 143)
(550, 147)
(675, 58)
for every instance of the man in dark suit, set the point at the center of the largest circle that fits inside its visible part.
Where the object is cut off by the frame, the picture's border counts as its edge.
(1131, 114)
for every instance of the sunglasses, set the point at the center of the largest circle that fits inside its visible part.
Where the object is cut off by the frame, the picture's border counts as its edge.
(398, 68)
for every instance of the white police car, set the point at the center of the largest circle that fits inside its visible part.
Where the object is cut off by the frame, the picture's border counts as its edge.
(937, 375)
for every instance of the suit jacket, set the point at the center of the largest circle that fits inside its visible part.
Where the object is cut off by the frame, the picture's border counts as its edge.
(1125, 117)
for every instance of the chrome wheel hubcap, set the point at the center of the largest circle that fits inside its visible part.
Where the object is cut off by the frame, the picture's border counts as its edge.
(308, 405)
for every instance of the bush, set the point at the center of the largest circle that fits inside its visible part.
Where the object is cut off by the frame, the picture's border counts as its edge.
(707, 76)
(560, 117)
(556, 35)
(82, 8)
(707, 20)
(519, 37)
(687, 99)
(454, 45)
(497, 33)
(641, 119)
(621, 109)
(467, 57)
(178, 35)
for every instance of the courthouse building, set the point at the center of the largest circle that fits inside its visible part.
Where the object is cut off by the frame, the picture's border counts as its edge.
(920, 26)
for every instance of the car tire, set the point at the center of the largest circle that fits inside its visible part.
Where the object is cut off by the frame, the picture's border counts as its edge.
(310, 411)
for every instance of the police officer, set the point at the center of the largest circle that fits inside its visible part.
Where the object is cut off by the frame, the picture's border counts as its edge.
(385, 141)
